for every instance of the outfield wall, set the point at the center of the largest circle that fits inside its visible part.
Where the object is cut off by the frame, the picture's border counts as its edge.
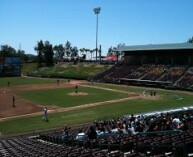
(10, 66)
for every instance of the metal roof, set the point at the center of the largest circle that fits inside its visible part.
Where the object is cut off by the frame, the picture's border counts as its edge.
(176, 46)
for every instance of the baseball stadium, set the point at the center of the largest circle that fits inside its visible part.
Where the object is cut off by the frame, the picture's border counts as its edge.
(140, 106)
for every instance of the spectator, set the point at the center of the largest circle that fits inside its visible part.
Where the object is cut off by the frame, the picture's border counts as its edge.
(131, 130)
(183, 126)
(132, 118)
(81, 136)
(92, 134)
(65, 134)
(176, 121)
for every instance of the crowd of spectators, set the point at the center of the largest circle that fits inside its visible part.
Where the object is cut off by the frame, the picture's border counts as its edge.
(130, 125)
(133, 132)
(125, 136)
(138, 124)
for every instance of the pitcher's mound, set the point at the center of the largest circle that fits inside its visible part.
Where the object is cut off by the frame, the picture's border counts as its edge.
(77, 94)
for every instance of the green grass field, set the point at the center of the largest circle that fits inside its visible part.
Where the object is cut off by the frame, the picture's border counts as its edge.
(61, 97)
(20, 125)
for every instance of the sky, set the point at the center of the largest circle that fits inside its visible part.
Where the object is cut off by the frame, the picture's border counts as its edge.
(130, 22)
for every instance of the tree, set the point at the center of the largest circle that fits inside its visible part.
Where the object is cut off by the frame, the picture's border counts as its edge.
(81, 51)
(48, 54)
(112, 51)
(45, 53)
(21, 54)
(59, 51)
(40, 48)
(68, 48)
(74, 52)
(84, 50)
(7, 51)
(190, 40)
(30, 58)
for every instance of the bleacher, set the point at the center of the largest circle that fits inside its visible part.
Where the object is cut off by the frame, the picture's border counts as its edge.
(174, 73)
(152, 137)
(149, 74)
(140, 71)
(187, 79)
(154, 73)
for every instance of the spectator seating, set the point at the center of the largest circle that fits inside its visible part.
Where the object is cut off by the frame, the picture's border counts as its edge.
(139, 72)
(187, 79)
(154, 73)
(156, 135)
(149, 74)
(122, 71)
(173, 74)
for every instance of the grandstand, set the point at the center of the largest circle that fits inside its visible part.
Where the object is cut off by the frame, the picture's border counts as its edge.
(164, 65)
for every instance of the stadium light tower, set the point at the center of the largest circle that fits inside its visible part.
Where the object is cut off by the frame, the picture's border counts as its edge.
(97, 11)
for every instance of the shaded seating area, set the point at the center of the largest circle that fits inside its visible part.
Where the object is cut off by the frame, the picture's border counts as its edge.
(154, 73)
(139, 72)
(164, 76)
(187, 80)
(174, 73)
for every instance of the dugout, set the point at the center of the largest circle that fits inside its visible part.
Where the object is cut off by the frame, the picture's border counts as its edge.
(138, 82)
(167, 54)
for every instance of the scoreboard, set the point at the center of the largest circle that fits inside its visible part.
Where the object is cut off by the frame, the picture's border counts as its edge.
(10, 66)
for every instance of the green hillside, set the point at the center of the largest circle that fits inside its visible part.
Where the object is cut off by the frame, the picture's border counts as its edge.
(28, 67)
(69, 70)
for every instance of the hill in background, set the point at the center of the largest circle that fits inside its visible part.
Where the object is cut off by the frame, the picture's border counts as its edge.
(65, 70)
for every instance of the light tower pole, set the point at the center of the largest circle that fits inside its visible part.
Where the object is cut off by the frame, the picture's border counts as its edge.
(97, 11)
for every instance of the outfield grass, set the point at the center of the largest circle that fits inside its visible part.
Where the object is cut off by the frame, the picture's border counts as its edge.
(16, 81)
(61, 97)
(167, 101)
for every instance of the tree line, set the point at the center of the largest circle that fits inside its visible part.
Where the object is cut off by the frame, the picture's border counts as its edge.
(8, 51)
(47, 54)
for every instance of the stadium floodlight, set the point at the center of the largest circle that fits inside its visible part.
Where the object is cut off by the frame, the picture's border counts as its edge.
(97, 11)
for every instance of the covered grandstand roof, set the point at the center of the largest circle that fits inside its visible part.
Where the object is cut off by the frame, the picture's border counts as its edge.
(175, 46)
